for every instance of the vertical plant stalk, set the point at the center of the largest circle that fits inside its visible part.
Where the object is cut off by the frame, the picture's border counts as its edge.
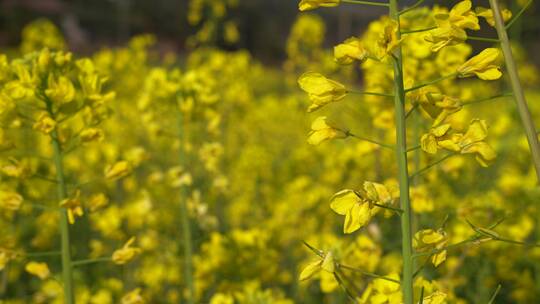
(184, 218)
(403, 175)
(521, 102)
(67, 270)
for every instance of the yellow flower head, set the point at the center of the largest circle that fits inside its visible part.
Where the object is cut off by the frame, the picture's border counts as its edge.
(430, 141)
(44, 123)
(73, 206)
(10, 200)
(133, 297)
(321, 90)
(118, 170)
(359, 210)
(446, 36)
(306, 5)
(487, 14)
(473, 142)
(322, 131)
(60, 90)
(126, 253)
(460, 16)
(435, 298)
(429, 239)
(388, 40)
(326, 263)
(40, 270)
(440, 106)
(349, 51)
(91, 134)
(484, 65)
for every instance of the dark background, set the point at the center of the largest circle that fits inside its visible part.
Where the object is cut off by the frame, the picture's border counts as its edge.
(263, 24)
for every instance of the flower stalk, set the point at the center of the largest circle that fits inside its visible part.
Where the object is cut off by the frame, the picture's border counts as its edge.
(403, 176)
(521, 102)
(184, 218)
(67, 273)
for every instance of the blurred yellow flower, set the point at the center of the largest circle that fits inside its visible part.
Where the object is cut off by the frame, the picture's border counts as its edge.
(487, 14)
(10, 200)
(349, 51)
(126, 253)
(118, 170)
(306, 5)
(60, 90)
(484, 65)
(40, 270)
(322, 131)
(326, 263)
(427, 240)
(321, 90)
(73, 206)
(44, 123)
(133, 297)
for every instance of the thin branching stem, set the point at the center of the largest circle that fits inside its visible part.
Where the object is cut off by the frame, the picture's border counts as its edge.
(410, 8)
(518, 15)
(416, 87)
(368, 274)
(91, 261)
(492, 299)
(383, 145)
(365, 2)
(466, 103)
(426, 168)
(370, 93)
(484, 39)
(519, 95)
(418, 30)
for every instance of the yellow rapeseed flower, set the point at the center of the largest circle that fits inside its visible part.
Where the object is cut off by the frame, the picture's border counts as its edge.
(326, 263)
(40, 270)
(321, 90)
(126, 253)
(427, 240)
(322, 131)
(118, 170)
(484, 65)
(73, 206)
(306, 5)
(44, 123)
(349, 51)
(133, 297)
(10, 200)
(60, 90)
(487, 14)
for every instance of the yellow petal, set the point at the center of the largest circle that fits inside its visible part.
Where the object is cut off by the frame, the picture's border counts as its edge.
(343, 201)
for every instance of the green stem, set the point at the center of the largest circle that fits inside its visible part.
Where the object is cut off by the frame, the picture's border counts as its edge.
(516, 17)
(365, 2)
(368, 274)
(466, 103)
(383, 145)
(483, 39)
(91, 261)
(67, 274)
(184, 218)
(523, 109)
(430, 82)
(41, 254)
(370, 93)
(431, 165)
(418, 30)
(492, 299)
(403, 176)
(410, 8)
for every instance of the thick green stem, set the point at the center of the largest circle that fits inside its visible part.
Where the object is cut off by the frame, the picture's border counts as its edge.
(67, 275)
(184, 218)
(403, 176)
(523, 109)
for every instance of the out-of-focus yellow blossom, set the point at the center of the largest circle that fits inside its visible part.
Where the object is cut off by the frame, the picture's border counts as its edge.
(322, 131)
(440, 106)
(91, 135)
(435, 298)
(485, 65)
(326, 263)
(10, 200)
(460, 16)
(44, 123)
(487, 14)
(73, 206)
(321, 90)
(382, 291)
(60, 90)
(118, 170)
(427, 240)
(97, 201)
(446, 36)
(358, 209)
(305, 5)
(6, 256)
(40, 34)
(349, 51)
(126, 253)
(222, 299)
(40, 270)
(388, 40)
(133, 297)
